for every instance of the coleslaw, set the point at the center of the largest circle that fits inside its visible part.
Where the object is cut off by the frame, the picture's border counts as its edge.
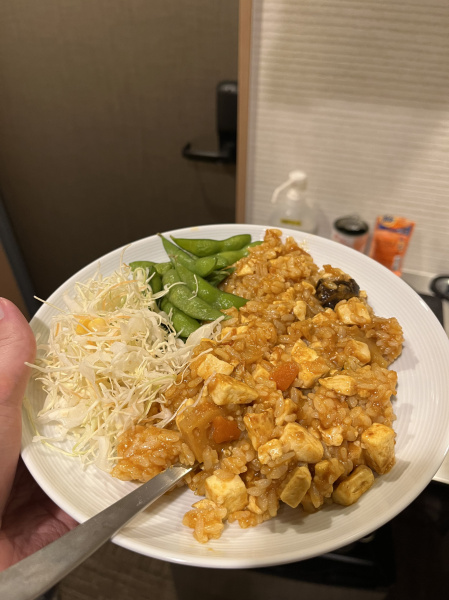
(107, 361)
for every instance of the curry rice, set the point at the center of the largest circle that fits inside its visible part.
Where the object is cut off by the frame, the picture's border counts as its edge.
(291, 404)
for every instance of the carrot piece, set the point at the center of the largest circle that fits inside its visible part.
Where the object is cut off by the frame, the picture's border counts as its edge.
(284, 375)
(224, 430)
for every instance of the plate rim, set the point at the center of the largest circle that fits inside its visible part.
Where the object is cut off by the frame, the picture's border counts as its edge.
(225, 562)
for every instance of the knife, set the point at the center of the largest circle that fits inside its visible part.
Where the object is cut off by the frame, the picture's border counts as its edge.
(32, 576)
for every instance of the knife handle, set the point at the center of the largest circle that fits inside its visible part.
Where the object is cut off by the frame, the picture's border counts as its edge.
(37, 573)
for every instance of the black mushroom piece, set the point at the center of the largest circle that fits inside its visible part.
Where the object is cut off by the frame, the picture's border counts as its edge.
(330, 291)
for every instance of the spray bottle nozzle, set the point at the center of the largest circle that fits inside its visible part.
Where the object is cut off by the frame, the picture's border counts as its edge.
(299, 178)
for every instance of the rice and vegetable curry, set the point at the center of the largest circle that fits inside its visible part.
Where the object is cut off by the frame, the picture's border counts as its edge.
(289, 403)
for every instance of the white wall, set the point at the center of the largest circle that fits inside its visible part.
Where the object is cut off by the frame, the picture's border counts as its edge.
(356, 93)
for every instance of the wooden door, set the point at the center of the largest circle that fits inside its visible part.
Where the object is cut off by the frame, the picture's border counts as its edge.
(98, 97)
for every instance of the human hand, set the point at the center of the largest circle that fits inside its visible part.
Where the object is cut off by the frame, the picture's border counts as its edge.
(29, 520)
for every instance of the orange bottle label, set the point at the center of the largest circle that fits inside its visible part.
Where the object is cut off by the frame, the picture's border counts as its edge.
(390, 241)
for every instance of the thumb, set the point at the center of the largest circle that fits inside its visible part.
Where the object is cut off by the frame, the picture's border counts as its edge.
(17, 346)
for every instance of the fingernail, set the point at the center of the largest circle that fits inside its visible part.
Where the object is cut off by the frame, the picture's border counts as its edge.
(2, 314)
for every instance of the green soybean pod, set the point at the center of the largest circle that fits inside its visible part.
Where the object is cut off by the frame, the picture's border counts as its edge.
(183, 324)
(204, 247)
(219, 263)
(217, 277)
(156, 282)
(174, 252)
(225, 259)
(141, 264)
(236, 242)
(182, 298)
(207, 292)
(162, 268)
(153, 275)
(203, 266)
(229, 257)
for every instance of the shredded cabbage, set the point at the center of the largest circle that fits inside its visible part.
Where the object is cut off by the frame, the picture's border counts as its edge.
(107, 360)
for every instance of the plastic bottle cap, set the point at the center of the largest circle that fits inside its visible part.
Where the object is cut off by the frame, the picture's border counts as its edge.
(299, 177)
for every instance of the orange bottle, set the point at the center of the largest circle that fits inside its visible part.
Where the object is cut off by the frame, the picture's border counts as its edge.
(391, 237)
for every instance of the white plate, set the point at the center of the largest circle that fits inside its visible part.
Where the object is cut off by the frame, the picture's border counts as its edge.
(422, 428)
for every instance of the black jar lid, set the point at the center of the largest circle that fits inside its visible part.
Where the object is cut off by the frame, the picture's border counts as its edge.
(351, 225)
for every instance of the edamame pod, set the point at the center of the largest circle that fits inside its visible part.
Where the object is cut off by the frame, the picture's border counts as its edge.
(142, 264)
(224, 259)
(162, 268)
(155, 279)
(183, 324)
(182, 298)
(217, 277)
(207, 292)
(207, 266)
(204, 269)
(200, 247)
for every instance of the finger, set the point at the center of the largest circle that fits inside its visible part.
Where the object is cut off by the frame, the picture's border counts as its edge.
(17, 346)
(30, 521)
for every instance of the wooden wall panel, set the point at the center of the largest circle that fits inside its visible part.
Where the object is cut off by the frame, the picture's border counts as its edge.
(98, 97)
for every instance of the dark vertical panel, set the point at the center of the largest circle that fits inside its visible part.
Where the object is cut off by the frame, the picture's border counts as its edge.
(97, 100)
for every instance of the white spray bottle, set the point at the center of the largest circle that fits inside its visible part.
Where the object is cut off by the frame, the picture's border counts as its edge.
(293, 209)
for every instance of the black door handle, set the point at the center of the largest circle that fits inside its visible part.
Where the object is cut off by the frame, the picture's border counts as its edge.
(226, 114)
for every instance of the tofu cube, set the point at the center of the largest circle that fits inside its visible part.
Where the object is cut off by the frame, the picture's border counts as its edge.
(305, 446)
(309, 287)
(352, 487)
(230, 493)
(228, 332)
(300, 310)
(323, 318)
(211, 365)
(302, 353)
(224, 389)
(378, 440)
(260, 372)
(328, 471)
(308, 504)
(311, 365)
(296, 486)
(353, 312)
(290, 408)
(259, 426)
(245, 269)
(241, 329)
(359, 350)
(332, 436)
(272, 450)
(342, 384)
